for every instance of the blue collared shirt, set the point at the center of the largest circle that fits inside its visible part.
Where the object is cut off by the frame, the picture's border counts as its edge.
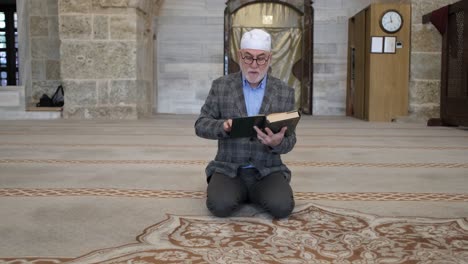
(253, 96)
(253, 99)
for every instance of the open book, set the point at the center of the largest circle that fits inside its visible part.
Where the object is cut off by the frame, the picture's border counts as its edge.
(243, 126)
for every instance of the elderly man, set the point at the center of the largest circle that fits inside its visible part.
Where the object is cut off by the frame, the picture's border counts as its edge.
(248, 170)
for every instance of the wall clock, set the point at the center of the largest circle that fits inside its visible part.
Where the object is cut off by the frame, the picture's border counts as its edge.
(391, 21)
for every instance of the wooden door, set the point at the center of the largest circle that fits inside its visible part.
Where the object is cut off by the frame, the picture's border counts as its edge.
(357, 67)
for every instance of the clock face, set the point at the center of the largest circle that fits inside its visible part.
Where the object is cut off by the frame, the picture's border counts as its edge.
(391, 21)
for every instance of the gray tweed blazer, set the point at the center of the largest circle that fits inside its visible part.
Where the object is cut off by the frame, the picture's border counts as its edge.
(226, 100)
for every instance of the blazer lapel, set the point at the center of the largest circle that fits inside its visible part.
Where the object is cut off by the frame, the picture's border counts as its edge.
(238, 95)
(270, 93)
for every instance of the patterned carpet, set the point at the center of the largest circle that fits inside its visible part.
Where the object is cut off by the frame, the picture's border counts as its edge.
(298, 196)
(133, 192)
(314, 234)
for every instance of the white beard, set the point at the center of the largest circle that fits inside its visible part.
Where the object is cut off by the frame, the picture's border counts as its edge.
(257, 77)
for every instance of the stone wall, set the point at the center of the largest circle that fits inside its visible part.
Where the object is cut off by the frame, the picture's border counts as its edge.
(331, 25)
(104, 53)
(24, 47)
(330, 53)
(190, 48)
(424, 92)
(12, 106)
(190, 53)
(39, 50)
(145, 60)
(330, 57)
(106, 58)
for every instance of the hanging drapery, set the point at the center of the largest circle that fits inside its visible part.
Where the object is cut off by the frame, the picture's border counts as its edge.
(290, 26)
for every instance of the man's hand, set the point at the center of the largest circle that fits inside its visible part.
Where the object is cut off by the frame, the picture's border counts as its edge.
(227, 125)
(270, 139)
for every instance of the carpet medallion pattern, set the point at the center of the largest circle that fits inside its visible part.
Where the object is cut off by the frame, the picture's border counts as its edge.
(314, 234)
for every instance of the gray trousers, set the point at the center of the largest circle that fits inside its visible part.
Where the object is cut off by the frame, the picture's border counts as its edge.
(273, 193)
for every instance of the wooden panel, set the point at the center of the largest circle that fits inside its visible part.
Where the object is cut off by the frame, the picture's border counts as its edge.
(379, 90)
(356, 90)
(454, 87)
(367, 64)
(350, 69)
(389, 74)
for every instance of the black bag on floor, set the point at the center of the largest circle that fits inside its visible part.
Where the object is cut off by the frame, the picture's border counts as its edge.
(57, 99)
(44, 101)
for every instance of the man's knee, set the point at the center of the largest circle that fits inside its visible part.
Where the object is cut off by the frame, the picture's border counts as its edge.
(225, 194)
(275, 195)
(281, 209)
(221, 208)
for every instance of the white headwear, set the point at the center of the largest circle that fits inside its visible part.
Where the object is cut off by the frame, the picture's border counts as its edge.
(256, 39)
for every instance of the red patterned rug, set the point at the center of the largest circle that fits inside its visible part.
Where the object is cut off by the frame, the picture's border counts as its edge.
(313, 234)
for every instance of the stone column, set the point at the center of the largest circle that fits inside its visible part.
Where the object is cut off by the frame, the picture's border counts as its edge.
(24, 50)
(106, 58)
(424, 90)
(39, 44)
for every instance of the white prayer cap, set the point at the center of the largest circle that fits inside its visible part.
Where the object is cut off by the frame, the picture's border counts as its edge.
(256, 39)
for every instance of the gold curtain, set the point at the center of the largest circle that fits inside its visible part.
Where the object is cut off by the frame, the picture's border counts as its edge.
(285, 27)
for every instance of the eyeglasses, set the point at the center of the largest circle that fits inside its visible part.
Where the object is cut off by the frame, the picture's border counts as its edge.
(260, 61)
